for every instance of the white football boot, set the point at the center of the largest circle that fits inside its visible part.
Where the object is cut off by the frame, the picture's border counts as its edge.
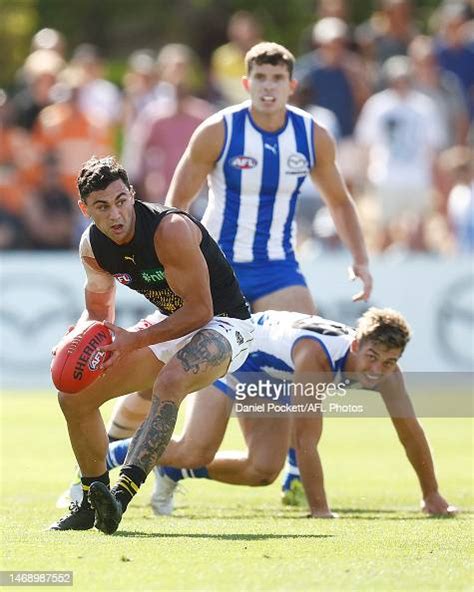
(162, 498)
(73, 494)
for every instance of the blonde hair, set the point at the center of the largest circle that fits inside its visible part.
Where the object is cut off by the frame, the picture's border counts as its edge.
(385, 326)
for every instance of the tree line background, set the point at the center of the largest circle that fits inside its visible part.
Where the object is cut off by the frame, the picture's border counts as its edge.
(118, 27)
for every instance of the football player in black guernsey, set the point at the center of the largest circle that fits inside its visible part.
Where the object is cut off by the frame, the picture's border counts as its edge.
(200, 331)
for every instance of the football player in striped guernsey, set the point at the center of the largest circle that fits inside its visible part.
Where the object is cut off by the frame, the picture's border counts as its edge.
(304, 351)
(256, 156)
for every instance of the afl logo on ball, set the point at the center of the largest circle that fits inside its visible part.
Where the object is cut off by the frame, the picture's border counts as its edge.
(96, 360)
(243, 162)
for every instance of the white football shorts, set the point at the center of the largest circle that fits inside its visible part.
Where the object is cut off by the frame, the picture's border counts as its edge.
(238, 332)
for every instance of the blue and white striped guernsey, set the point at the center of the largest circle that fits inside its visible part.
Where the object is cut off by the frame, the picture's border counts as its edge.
(255, 184)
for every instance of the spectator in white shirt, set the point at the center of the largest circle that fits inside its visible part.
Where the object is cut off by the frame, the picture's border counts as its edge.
(401, 130)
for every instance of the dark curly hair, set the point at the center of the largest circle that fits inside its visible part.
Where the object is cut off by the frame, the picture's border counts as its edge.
(98, 173)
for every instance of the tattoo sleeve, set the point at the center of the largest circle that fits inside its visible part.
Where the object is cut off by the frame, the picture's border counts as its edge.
(153, 435)
(206, 348)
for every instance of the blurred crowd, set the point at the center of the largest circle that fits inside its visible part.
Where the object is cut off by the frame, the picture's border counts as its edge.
(399, 103)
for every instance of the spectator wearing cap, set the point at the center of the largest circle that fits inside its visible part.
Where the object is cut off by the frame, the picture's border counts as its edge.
(400, 129)
(50, 39)
(325, 8)
(336, 76)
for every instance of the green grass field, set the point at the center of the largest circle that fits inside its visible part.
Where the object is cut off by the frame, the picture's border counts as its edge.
(235, 538)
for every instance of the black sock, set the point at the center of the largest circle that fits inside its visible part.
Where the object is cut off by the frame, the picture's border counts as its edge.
(86, 484)
(130, 479)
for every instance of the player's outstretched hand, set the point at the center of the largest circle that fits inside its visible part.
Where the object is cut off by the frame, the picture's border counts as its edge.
(362, 272)
(434, 504)
(325, 515)
(124, 342)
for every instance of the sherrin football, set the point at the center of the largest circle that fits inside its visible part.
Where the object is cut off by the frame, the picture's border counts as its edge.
(76, 363)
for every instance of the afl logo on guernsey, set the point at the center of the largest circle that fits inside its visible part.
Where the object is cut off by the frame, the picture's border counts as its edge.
(123, 278)
(243, 162)
(297, 164)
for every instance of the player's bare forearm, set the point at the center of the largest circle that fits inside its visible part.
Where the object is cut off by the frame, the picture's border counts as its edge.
(416, 446)
(182, 322)
(312, 477)
(99, 306)
(307, 434)
(346, 220)
(326, 175)
(185, 320)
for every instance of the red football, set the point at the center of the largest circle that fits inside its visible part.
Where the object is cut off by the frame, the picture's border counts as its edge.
(76, 363)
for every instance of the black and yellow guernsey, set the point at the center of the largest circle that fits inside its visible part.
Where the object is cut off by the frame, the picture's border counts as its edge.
(137, 266)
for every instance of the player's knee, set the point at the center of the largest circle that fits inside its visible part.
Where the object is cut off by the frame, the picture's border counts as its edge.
(169, 386)
(192, 454)
(263, 472)
(71, 405)
(201, 456)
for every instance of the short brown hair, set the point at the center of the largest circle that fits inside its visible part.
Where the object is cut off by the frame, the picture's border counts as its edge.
(384, 326)
(267, 52)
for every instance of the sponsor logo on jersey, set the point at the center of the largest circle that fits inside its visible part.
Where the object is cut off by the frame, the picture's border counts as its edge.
(123, 278)
(130, 258)
(239, 338)
(243, 162)
(153, 275)
(297, 164)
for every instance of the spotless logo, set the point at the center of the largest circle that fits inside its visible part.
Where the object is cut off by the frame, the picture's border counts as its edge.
(123, 278)
(243, 162)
